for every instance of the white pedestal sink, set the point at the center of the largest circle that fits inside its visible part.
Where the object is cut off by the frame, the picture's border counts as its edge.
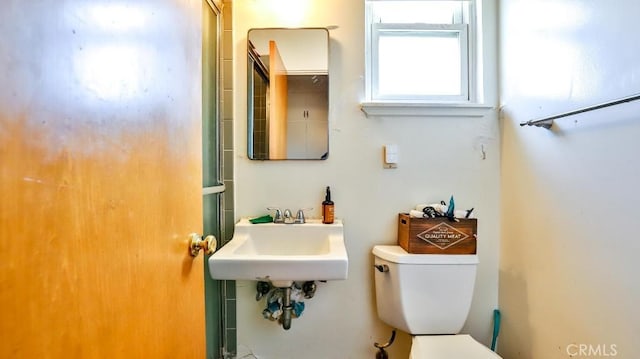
(282, 253)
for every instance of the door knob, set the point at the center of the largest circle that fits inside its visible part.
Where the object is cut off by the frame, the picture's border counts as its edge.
(196, 243)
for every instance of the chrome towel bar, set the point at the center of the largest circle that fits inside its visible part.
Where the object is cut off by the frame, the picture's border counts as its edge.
(548, 121)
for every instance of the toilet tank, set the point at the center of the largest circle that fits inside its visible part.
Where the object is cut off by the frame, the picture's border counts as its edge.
(423, 293)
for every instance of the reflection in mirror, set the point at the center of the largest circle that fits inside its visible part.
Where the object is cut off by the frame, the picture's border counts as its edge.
(288, 93)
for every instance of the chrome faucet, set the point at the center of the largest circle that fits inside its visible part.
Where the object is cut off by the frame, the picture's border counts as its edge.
(288, 218)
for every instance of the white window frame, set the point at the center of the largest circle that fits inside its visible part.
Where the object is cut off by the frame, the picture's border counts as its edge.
(468, 104)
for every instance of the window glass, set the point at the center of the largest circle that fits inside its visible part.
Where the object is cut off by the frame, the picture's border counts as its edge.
(419, 65)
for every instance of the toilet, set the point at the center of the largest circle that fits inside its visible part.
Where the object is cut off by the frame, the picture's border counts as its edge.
(428, 296)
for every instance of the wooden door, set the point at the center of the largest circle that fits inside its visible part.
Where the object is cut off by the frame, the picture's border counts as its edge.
(277, 104)
(100, 179)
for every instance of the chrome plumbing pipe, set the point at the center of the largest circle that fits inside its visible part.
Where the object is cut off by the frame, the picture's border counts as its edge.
(286, 308)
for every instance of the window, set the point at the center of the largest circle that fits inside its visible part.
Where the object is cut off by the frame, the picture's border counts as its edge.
(420, 51)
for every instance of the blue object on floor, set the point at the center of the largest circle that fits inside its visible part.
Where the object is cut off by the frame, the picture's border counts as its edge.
(496, 328)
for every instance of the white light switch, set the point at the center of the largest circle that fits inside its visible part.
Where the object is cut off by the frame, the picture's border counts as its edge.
(390, 156)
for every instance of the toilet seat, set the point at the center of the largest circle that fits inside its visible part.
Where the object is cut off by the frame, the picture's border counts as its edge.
(449, 347)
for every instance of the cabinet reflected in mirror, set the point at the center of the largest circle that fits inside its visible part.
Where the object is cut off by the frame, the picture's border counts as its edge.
(288, 93)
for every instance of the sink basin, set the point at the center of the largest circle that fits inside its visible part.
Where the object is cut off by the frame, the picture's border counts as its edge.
(282, 253)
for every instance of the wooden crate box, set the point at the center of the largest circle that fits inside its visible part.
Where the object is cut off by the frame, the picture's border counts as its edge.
(437, 235)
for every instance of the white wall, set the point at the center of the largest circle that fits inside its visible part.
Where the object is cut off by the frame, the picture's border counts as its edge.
(438, 157)
(569, 259)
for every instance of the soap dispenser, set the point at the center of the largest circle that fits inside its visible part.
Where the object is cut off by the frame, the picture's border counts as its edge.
(327, 208)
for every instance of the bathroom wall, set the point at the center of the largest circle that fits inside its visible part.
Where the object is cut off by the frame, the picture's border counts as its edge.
(568, 270)
(438, 157)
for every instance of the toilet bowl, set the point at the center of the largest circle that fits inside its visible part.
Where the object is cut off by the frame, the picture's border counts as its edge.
(459, 346)
(428, 296)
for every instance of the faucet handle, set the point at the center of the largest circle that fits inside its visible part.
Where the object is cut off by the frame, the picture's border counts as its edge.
(277, 218)
(300, 215)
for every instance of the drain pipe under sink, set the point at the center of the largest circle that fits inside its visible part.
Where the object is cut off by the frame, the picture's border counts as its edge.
(286, 309)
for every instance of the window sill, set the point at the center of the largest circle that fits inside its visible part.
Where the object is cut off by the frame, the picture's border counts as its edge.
(414, 109)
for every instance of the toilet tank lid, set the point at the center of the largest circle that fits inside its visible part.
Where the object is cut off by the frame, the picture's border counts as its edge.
(397, 254)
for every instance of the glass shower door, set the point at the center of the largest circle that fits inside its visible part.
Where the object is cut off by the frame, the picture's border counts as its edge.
(212, 185)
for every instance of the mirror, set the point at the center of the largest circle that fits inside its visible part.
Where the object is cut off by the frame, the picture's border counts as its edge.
(288, 94)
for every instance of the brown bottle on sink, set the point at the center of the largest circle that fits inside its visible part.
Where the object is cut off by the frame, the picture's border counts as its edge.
(327, 208)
